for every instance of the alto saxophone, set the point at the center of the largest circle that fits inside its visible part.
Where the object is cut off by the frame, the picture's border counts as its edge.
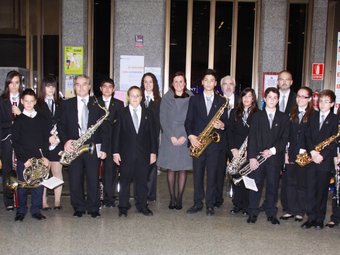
(237, 162)
(66, 158)
(34, 175)
(208, 135)
(304, 159)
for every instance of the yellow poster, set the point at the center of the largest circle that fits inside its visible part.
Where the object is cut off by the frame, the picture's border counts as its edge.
(74, 56)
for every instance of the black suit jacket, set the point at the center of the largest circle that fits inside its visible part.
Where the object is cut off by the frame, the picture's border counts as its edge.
(68, 127)
(315, 136)
(290, 103)
(6, 116)
(115, 108)
(128, 143)
(261, 137)
(197, 118)
(155, 108)
(52, 119)
(237, 130)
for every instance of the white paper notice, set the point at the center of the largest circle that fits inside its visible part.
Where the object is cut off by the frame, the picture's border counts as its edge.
(249, 183)
(52, 182)
(131, 71)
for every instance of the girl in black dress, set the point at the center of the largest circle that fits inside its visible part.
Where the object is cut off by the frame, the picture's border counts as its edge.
(49, 106)
(239, 123)
(10, 107)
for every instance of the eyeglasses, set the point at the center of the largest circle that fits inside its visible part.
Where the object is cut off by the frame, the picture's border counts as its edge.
(300, 96)
(324, 102)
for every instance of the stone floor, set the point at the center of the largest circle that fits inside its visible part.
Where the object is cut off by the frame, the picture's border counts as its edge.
(167, 232)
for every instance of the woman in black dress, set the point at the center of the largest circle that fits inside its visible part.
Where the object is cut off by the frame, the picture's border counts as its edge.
(49, 106)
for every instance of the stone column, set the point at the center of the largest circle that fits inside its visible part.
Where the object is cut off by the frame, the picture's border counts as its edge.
(139, 17)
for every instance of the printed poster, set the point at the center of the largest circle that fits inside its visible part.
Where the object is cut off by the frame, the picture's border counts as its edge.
(74, 59)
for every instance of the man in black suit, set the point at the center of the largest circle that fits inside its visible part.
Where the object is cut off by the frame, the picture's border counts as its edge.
(228, 85)
(268, 137)
(321, 126)
(134, 150)
(202, 109)
(109, 174)
(78, 114)
(286, 102)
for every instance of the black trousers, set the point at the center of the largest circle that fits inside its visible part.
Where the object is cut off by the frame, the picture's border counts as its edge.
(36, 194)
(7, 167)
(136, 171)
(152, 182)
(85, 167)
(284, 191)
(296, 186)
(207, 162)
(220, 177)
(318, 177)
(109, 176)
(270, 173)
(335, 212)
(240, 196)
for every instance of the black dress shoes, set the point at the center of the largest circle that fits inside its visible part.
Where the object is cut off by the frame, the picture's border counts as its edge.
(332, 224)
(122, 211)
(78, 214)
(235, 210)
(19, 217)
(252, 219)
(308, 224)
(319, 225)
(273, 220)
(210, 211)
(286, 216)
(38, 216)
(194, 209)
(95, 214)
(46, 208)
(146, 211)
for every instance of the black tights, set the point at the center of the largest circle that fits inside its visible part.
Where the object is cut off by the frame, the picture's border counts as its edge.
(182, 178)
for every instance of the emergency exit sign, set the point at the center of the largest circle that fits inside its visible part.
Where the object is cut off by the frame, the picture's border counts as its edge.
(318, 71)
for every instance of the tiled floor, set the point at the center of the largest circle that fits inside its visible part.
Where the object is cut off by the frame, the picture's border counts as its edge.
(167, 232)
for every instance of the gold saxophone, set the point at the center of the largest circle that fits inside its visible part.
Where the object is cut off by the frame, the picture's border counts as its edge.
(304, 159)
(33, 176)
(237, 162)
(66, 158)
(208, 135)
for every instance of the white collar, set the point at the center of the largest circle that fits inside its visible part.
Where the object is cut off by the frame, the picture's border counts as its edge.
(81, 98)
(150, 96)
(31, 114)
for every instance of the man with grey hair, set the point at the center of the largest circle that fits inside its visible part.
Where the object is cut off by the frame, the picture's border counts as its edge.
(228, 85)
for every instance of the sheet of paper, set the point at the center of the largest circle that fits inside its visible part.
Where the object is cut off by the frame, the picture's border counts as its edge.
(52, 182)
(98, 147)
(249, 183)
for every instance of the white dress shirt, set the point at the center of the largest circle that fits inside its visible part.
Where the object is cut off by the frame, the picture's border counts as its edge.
(139, 113)
(80, 106)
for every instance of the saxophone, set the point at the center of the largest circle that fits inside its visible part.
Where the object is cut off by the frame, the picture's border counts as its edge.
(304, 159)
(66, 158)
(237, 162)
(208, 135)
(34, 175)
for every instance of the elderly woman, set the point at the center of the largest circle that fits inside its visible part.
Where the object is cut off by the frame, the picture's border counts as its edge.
(173, 152)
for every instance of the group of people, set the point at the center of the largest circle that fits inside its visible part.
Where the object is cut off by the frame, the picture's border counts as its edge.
(154, 132)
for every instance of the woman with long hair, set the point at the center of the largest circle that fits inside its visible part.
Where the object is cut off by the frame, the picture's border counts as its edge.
(10, 107)
(49, 106)
(151, 100)
(173, 152)
(296, 175)
(239, 123)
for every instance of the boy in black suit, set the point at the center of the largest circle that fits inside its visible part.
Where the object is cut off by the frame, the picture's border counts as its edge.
(107, 87)
(77, 115)
(202, 109)
(321, 126)
(134, 150)
(268, 137)
(30, 134)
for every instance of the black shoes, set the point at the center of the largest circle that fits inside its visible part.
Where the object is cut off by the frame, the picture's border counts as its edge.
(235, 210)
(308, 224)
(286, 216)
(94, 214)
(146, 211)
(273, 220)
(46, 208)
(38, 216)
(194, 209)
(10, 208)
(122, 211)
(172, 205)
(19, 217)
(298, 218)
(252, 219)
(78, 214)
(332, 224)
(210, 211)
(319, 225)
